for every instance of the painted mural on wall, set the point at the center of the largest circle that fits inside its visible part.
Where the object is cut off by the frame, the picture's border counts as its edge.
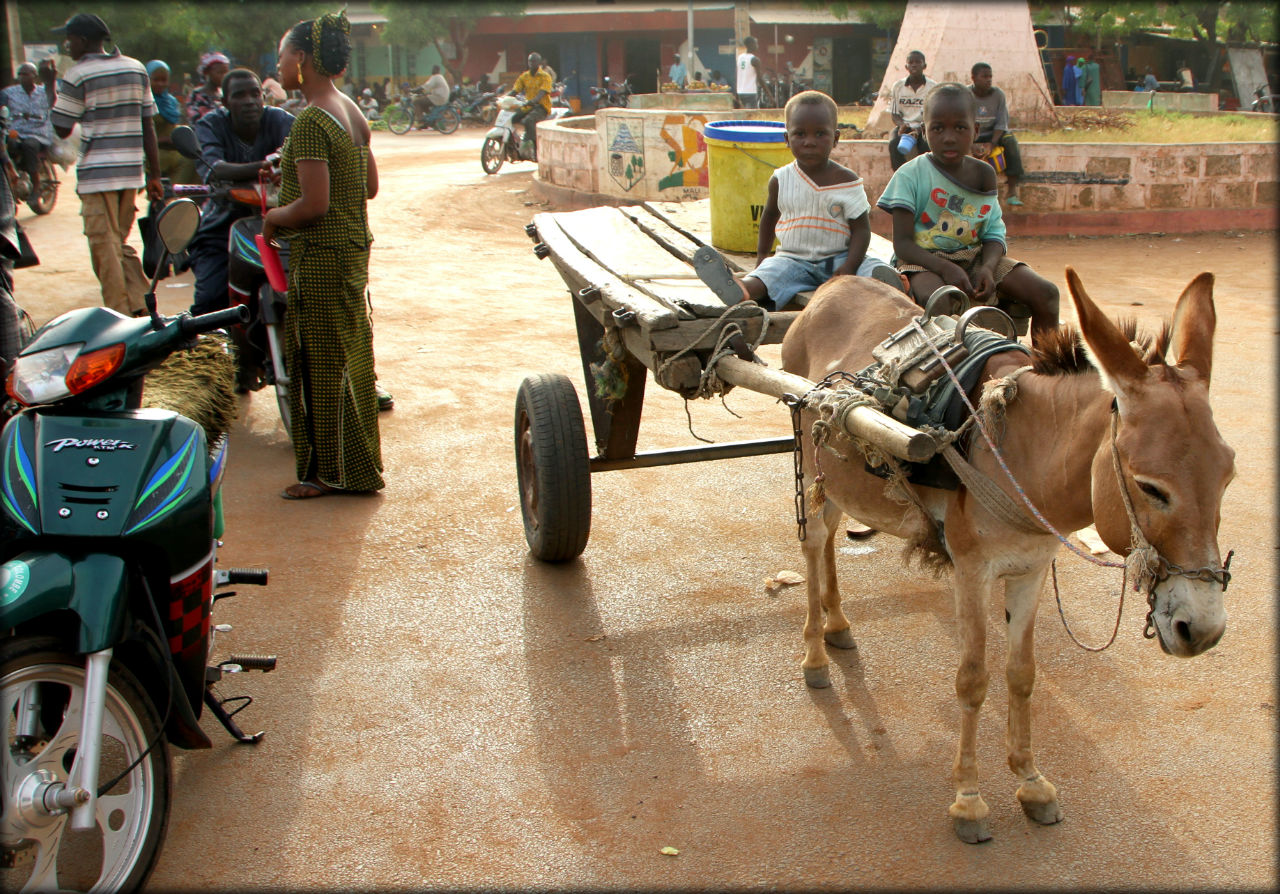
(624, 150)
(686, 154)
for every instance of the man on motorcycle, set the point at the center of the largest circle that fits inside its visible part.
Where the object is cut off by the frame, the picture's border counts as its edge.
(536, 85)
(435, 92)
(29, 116)
(234, 143)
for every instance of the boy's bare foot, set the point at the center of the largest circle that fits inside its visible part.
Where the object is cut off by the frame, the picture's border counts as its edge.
(712, 270)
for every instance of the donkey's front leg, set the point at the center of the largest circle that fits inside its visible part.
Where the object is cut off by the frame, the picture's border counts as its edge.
(972, 595)
(824, 596)
(1037, 795)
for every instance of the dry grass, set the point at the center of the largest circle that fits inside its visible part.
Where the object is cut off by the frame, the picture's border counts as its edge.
(1097, 125)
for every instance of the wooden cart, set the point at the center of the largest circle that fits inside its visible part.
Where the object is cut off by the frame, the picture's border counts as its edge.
(639, 304)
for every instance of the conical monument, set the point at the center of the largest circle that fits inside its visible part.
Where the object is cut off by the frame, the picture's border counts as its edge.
(953, 36)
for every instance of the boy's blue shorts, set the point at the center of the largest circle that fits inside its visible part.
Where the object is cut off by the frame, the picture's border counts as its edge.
(785, 276)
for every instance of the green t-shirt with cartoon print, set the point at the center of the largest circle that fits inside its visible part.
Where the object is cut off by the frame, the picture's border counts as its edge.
(949, 216)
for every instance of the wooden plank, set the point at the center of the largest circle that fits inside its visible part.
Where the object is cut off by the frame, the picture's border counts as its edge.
(610, 238)
(693, 220)
(576, 267)
(703, 333)
(700, 299)
(884, 431)
(636, 255)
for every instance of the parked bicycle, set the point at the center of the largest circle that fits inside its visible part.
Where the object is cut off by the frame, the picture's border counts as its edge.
(402, 116)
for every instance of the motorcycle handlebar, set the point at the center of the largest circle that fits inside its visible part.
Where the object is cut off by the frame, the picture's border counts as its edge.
(190, 326)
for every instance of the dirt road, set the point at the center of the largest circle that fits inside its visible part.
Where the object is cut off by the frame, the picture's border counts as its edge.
(450, 713)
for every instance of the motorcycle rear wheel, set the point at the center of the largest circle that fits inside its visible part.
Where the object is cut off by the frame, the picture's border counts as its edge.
(121, 850)
(42, 202)
(492, 155)
(447, 121)
(399, 119)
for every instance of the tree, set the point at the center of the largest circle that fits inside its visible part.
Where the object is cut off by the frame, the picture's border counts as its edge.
(1212, 25)
(180, 31)
(883, 14)
(414, 25)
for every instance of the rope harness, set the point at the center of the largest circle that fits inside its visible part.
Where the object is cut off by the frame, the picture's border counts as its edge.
(1145, 563)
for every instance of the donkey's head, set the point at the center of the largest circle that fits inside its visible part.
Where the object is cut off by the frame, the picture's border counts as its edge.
(1159, 474)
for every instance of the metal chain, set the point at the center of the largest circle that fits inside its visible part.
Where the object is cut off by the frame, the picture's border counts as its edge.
(795, 404)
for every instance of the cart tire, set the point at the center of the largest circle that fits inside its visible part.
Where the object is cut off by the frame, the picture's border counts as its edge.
(552, 467)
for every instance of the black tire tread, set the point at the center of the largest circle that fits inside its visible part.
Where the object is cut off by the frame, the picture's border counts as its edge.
(562, 466)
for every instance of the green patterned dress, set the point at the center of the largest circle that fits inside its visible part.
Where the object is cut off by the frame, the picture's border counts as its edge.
(328, 336)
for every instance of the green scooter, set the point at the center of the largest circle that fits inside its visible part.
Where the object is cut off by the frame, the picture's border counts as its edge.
(110, 522)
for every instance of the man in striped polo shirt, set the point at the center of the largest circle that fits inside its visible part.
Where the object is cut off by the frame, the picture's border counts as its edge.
(110, 95)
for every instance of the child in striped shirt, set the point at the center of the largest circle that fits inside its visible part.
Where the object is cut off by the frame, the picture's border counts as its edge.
(817, 209)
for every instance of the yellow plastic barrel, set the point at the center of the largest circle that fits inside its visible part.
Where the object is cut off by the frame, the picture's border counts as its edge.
(741, 157)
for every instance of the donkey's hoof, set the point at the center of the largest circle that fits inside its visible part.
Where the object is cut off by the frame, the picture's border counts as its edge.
(841, 639)
(818, 677)
(1046, 813)
(972, 831)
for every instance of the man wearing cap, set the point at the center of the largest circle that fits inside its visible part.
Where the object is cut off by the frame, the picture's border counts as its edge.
(109, 94)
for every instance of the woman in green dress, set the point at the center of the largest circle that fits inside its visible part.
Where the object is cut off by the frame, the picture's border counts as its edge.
(328, 175)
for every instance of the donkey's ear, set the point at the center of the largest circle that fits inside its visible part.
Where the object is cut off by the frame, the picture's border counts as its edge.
(1115, 358)
(1194, 320)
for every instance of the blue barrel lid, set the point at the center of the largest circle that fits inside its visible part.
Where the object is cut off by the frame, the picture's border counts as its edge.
(746, 131)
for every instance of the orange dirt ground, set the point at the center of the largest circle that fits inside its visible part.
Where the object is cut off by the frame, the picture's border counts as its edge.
(450, 713)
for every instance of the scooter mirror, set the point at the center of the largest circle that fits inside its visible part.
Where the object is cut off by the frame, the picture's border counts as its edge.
(184, 140)
(177, 224)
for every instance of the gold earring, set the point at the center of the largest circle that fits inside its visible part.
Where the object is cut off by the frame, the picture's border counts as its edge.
(300, 79)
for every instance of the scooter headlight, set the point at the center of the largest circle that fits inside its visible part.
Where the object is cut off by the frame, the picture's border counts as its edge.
(48, 376)
(41, 378)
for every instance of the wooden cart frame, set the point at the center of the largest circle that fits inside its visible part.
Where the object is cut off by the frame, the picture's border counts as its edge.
(630, 273)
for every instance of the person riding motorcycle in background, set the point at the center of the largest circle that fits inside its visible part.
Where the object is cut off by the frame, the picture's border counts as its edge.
(29, 116)
(435, 92)
(536, 85)
(234, 143)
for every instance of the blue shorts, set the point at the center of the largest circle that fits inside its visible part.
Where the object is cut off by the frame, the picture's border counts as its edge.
(784, 276)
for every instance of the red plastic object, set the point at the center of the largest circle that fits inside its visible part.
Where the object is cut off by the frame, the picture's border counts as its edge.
(271, 264)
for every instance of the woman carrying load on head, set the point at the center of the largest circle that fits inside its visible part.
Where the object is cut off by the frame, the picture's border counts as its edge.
(168, 116)
(328, 175)
(208, 96)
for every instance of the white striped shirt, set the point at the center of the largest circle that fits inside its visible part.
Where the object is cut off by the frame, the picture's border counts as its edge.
(813, 220)
(109, 96)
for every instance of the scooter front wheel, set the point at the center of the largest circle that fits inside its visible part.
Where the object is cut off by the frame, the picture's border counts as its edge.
(492, 155)
(41, 708)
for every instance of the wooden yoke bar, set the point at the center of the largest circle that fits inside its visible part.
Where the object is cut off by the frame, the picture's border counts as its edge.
(867, 423)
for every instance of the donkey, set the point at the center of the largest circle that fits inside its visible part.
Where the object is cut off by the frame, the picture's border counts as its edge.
(1093, 429)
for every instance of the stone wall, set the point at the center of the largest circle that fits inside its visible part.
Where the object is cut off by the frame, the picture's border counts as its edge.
(1078, 188)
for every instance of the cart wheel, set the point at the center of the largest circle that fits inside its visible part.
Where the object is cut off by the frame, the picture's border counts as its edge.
(552, 468)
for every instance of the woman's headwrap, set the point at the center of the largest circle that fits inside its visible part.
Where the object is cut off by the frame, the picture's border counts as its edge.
(209, 59)
(166, 103)
(332, 20)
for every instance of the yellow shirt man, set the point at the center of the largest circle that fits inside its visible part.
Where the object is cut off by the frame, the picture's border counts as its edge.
(529, 83)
